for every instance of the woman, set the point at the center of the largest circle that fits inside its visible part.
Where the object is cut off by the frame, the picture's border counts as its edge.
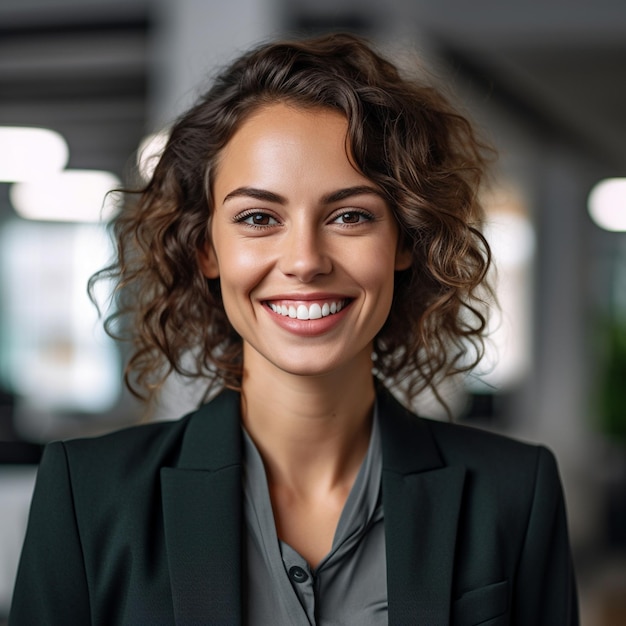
(310, 231)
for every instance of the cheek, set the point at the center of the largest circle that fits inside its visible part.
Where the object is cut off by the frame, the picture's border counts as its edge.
(379, 264)
(376, 275)
(242, 269)
(239, 266)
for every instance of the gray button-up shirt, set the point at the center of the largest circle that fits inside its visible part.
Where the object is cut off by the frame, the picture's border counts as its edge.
(349, 585)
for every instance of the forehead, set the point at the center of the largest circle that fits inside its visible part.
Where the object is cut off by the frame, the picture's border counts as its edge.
(285, 142)
(289, 121)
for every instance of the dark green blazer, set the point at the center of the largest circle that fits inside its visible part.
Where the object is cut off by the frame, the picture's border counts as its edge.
(144, 527)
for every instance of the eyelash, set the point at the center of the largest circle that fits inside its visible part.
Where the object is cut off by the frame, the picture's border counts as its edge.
(242, 217)
(368, 217)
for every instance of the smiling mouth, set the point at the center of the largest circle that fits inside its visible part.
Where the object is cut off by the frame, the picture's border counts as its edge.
(312, 311)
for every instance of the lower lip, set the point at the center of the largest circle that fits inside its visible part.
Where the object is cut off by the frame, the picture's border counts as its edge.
(308, 328)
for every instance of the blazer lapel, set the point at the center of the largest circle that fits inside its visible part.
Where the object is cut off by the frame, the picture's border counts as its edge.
(422, 500)
(202, 510)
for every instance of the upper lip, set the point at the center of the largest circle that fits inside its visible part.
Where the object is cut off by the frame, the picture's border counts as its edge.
(306, 297)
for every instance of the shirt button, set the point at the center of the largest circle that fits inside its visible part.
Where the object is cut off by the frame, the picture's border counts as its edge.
(297, 574)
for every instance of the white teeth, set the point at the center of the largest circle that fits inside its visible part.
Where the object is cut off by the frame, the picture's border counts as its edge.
(315, 312)
(303, 312)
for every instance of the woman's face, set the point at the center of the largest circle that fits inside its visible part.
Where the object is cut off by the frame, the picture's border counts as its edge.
(305, 246)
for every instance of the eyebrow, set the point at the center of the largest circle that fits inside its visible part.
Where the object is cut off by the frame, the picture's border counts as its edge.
(329, 198)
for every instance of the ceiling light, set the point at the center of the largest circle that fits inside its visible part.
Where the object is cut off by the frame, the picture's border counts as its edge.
(69, 196)
(607, 204)
(29, 153)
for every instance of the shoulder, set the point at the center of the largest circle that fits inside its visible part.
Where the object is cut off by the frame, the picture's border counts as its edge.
(204, 439)
(421, 443)
(475, 447)
(159, 439)
(117, 458)
(502, 459)
(508, 482)
(496, 466)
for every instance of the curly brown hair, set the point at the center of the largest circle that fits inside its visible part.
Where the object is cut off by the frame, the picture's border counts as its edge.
(405, 136)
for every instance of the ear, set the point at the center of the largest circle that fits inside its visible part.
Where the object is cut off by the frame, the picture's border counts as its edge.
(207, 260)
(404, 258)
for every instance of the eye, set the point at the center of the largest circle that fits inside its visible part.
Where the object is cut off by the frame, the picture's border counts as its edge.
(257, 218)
(353, 217)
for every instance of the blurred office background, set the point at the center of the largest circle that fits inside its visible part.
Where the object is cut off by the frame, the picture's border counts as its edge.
(546, 83)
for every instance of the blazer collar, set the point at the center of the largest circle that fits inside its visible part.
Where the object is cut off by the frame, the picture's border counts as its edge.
(202, 511)
(202, 508)
(422, 501)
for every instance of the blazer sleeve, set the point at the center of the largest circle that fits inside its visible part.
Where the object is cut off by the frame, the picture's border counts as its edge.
(51, 584)
(545, 590)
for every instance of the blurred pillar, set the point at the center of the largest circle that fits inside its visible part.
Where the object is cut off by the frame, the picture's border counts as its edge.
(562, 377)
(194, 37)
(561, 357)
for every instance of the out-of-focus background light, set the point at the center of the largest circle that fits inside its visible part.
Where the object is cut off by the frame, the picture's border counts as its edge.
(607, 205)
(55, 354)
(512, 239)
(30, 153)
(149, 152)
(68, 196)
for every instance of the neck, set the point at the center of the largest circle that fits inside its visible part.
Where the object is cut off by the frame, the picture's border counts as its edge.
(309, 430)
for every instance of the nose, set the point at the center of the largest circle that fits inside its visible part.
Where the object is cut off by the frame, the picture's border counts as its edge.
(304, 254)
